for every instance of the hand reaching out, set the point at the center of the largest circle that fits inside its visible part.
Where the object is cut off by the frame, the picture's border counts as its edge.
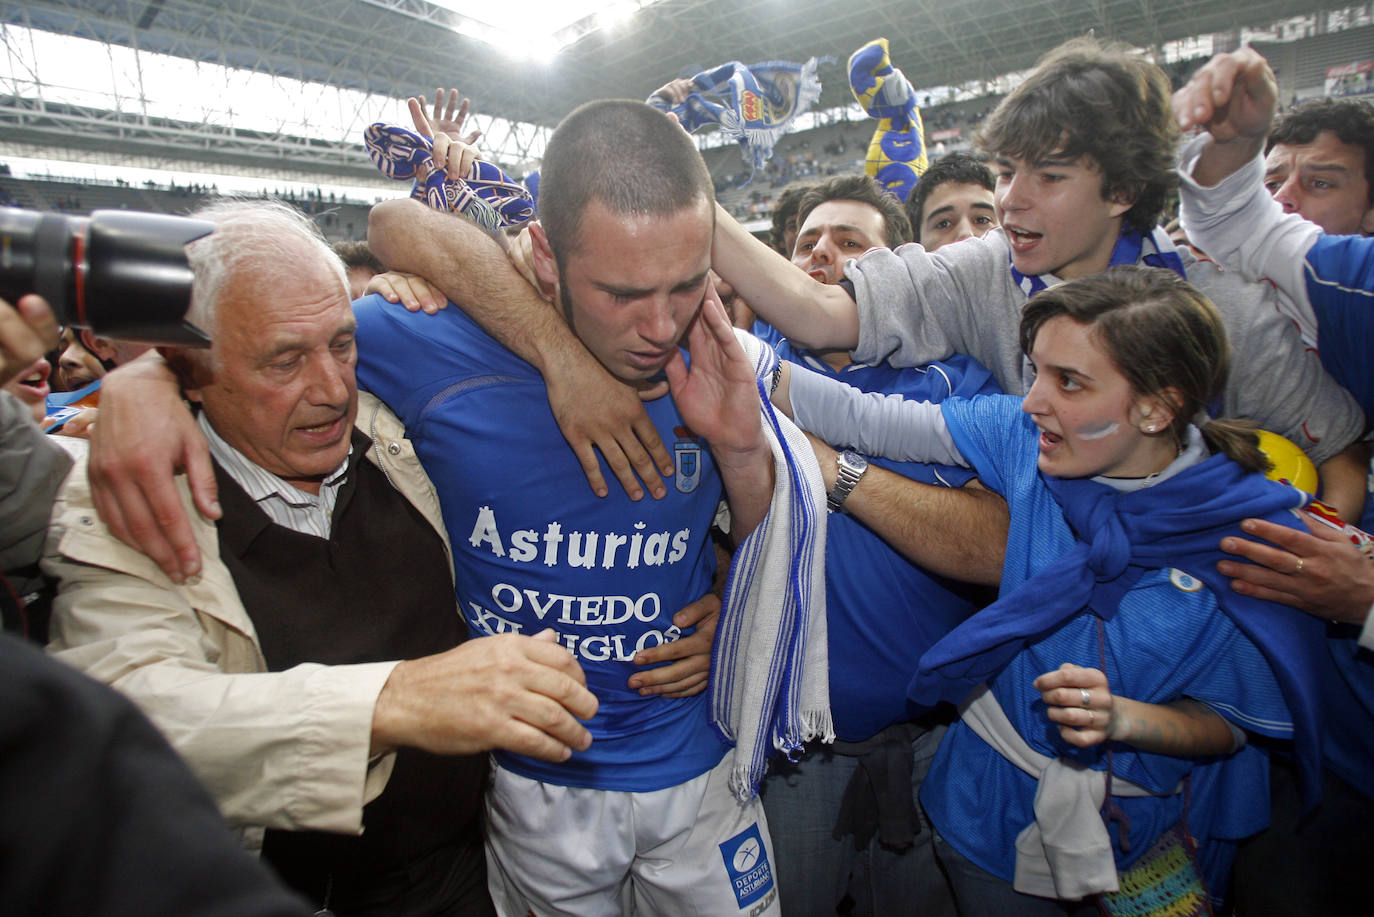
(1088, 713)
(689, 657)
(410, 290)
(1322, 573)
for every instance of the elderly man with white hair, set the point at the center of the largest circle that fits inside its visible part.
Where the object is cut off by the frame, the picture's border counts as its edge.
(275, 672)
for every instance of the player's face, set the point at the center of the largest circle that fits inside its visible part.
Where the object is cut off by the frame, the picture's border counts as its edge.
(281, 388)
(955, 211)
(1089, 418)
(633, 284)
(834, 232)
(1055, 217)
(1324, 181)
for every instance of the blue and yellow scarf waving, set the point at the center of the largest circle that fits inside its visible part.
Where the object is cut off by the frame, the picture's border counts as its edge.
(897, 152)
(752, 105)
(486, 195)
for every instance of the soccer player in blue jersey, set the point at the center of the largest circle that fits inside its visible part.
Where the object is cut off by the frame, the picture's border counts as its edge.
(643, 820)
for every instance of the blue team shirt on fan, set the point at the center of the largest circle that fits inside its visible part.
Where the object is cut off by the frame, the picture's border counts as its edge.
(883, 611)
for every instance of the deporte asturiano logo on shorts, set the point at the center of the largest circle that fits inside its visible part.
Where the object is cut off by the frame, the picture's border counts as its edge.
(746, 862)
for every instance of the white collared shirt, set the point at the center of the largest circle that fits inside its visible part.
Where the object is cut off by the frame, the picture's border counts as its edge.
(284, 503)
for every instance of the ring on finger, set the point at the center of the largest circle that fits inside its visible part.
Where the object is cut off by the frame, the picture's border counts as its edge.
(1086, 697)
(1298, 568)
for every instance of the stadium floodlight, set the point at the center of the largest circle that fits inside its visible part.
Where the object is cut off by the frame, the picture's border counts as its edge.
(546, 25)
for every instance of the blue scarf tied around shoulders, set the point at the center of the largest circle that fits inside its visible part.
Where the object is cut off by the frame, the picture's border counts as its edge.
(1176, 523)
(487, 196)
(753, 106)
(1131, 248)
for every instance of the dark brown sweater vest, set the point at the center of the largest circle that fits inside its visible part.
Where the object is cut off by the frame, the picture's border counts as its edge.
(378, 589)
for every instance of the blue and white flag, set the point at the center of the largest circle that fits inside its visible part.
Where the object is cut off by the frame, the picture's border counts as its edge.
(752, 105)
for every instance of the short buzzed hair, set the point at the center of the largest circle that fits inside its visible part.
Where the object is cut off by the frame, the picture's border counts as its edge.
(864, 190)
(953, 168)
(1351, 120)
(625, 154)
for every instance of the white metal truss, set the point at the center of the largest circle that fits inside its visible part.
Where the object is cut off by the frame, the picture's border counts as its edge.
(388, 49)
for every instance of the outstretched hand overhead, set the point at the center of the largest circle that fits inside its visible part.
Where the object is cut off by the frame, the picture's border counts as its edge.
(1232, 96)
(455, 157)
(450, 120)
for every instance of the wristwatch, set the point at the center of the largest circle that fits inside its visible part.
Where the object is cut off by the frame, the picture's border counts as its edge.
(849, 470)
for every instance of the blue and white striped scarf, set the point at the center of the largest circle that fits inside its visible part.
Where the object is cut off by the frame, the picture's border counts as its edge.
(770, 684)
(1132, 247)
(486, 195)
(754, 105)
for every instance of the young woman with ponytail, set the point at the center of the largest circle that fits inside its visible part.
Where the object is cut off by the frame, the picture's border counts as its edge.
(1115, 655)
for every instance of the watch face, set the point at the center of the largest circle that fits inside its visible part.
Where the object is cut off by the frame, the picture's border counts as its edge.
(854, 460)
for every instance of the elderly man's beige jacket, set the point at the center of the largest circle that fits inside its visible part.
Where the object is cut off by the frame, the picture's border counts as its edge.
(279, 750)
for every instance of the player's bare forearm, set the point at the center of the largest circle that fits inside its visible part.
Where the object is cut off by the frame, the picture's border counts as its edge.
(472, 270)
(749, 479)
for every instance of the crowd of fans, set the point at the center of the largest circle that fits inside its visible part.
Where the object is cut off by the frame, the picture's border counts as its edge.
(992, 551)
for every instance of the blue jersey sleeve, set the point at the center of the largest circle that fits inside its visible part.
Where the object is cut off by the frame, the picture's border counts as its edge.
(990, 432)
(1340, 286)
(393, 357)
(409, 359)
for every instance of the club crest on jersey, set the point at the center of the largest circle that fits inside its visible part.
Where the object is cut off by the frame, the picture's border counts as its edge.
(687, 465)
(1183, 581)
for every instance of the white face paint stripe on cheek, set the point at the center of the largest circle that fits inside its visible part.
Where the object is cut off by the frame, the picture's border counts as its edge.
(1097, 430)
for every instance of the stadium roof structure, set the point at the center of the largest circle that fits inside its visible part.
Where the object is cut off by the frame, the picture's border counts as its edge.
(396, 48)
